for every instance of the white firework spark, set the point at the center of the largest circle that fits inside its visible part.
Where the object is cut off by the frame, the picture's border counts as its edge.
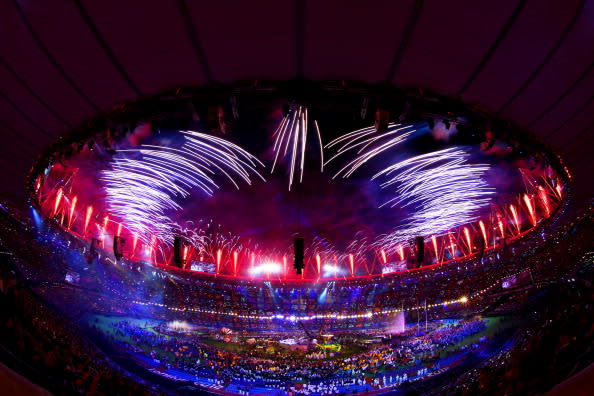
(142, 190)
(291, 139)
(363, 139)
(444, 188)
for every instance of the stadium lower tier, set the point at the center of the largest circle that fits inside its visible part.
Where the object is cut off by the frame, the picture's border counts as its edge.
(144, 330)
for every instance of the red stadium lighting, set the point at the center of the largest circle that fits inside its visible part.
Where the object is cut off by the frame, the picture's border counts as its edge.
(57, 201)
(435, 249)
(501, 228)
(512, 208)
(484, 232)
(87, 218)
(545, 200)
(530, 207)
(468, 240)
(72, 207)
(411, 185)
(452, 245)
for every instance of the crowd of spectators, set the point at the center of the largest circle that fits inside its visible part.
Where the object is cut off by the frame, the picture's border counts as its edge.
(37, 340)
(42, 338)
(380, 365)
(556, 341)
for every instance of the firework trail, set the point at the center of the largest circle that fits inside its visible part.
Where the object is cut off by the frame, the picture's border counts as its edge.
(443, 187)
(142, 185)
(291, 139)
(446, 190)
(323, 247)
(363, 140)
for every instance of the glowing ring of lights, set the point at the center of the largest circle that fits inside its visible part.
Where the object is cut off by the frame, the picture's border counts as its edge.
(442, 186)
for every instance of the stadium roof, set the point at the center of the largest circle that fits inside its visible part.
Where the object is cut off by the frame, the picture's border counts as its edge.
(64, 61)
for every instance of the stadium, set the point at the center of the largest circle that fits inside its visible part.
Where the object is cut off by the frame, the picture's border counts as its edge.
(290, 198)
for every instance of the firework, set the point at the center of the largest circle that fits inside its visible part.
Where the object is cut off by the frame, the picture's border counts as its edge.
(57, 201)
(530, 207)
(319, 135)
(452, 245)
(291, 140)
(363, 140)
(435, 249)
(512, 208)
(142, 185)
(468, 240)
(323, 247)
(88, 218)
(545, 200)
(445, 189)
(484, 232)
(501, 228)
(72, 207)
(559, 190)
